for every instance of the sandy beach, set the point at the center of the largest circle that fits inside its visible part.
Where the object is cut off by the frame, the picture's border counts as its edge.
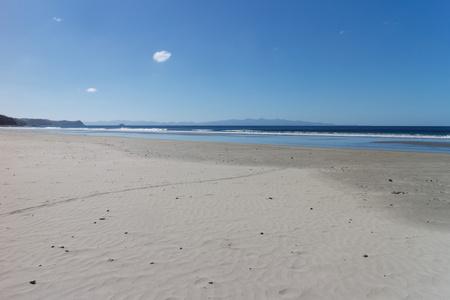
(86, 217)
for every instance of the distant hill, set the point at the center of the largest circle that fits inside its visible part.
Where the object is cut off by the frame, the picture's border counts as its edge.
(7, 121)
(45, 122)
(232, 122)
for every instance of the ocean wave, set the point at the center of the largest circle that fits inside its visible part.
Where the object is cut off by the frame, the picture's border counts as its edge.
(88, 129)
(341, 134)
(125, 129)
(121, 129)
(235, 132)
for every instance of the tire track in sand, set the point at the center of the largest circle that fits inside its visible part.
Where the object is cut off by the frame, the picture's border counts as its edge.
(136, 189)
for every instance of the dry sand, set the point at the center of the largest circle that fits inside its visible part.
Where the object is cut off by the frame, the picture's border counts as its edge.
(121, 218)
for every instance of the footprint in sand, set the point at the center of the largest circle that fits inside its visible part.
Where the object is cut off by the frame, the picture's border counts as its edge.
(289, 293)
(202, 281)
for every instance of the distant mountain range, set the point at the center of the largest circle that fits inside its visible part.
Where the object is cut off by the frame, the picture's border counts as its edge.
(232, 122)
(8, 121)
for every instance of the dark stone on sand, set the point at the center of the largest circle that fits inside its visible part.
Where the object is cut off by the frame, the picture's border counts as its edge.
(398, 193)
(102, 219)
(33, 281)
(261, 233)
(211, 282)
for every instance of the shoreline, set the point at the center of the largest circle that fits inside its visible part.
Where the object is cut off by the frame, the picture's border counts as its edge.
(432, 144)
(416, 144)
(196, 220)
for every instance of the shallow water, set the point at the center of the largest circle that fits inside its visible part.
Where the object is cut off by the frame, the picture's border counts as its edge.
(422, 139)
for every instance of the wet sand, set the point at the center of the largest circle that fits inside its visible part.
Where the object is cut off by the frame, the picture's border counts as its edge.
(432, 144)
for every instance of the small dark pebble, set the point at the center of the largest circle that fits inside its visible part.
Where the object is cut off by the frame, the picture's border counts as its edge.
(107, 210)
(95, 222)
(261, 233)
(102, 219)
(40, 265)
(33, 281)
(181, 248)
(211, 282)
(62, 247)
(152, 263)
(365, 255)
(311, 208)
(67, 250)
(390, 180)
(397, 193)
(126, 232)
(270, 198)
(52, 247)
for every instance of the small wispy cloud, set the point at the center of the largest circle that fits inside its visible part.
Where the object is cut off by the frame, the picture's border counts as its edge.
(57, 19)
(341, 32)
(91, 90)
(161, 56)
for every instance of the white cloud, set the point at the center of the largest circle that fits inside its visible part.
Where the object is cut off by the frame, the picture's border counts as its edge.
(57, 19)
(341, 32)
(161, 56)
(91, 90)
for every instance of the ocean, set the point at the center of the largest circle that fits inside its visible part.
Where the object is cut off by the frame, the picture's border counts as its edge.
(400, 138)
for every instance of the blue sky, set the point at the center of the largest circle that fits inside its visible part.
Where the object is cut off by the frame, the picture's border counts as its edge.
(343, 62)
